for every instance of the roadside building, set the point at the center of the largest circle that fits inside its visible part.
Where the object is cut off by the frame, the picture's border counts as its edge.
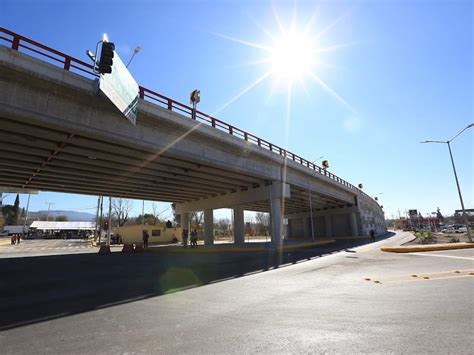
(158, 233)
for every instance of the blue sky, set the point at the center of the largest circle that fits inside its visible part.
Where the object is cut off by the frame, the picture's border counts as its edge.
(405, 71)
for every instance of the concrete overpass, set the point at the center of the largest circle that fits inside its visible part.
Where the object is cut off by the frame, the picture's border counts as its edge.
(57, 133)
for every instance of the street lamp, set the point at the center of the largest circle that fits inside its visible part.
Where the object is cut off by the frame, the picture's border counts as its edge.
(376, 196)
(314, 161)
(135, 52)
(468, 227)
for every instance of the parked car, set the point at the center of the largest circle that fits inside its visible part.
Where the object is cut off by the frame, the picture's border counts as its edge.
(448, 229)
(461, 230)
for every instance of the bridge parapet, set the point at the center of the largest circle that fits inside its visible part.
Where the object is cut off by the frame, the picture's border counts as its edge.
(18, 42)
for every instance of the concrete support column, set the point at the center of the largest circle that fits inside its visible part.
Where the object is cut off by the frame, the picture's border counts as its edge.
(185, 220)
(239, 226)
(354, 229)
(327, 221)
(306, 227)
(277, 221)
(208, 227)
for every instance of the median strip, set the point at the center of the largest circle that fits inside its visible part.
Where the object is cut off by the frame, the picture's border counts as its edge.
(421, 248)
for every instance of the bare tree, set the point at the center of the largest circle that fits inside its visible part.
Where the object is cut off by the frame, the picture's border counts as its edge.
(223, 226)
(262, 223)
(196, 220)
(120, 210)
(157, 213)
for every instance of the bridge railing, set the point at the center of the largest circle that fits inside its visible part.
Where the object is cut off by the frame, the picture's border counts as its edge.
(69, 63)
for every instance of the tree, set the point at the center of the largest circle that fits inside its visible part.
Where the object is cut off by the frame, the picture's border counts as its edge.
(458, 218)
(176, 217)
(148, 219)
(262, 223)
(439, 215)
(196, 220)
(120, 210)
(222, 226)
(11, 213)
(157, 214)
(62, 218)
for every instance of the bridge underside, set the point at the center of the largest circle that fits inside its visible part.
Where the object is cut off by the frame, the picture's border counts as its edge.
(43, 158)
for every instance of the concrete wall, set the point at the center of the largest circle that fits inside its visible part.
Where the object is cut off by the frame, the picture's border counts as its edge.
(134, 233)
(370, 216)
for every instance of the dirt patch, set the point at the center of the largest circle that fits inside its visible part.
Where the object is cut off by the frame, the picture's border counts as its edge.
(439, 238)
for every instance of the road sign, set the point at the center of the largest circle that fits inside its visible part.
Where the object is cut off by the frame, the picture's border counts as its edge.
(120, 87)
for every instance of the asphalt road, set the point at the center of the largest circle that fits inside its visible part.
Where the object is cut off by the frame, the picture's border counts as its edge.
(290, 302)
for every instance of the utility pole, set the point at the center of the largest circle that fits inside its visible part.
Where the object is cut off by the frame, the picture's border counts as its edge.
(100, 217)
(110, 221)
(466, 222)
(97, 219)
(26, 217)
(49, 207)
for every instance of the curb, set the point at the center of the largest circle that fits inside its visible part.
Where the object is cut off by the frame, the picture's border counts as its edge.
(421, 248)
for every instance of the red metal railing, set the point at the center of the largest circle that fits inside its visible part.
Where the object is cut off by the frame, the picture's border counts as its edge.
(69, 63)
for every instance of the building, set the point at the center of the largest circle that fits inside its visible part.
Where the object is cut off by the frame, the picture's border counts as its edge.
(158, 233)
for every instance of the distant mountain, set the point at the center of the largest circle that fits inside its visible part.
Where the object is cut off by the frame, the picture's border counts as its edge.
(72, 215)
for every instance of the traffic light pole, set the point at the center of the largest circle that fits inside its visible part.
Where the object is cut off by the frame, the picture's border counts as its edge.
(466, 222)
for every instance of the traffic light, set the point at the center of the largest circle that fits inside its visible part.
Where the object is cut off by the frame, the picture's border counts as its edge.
(325, 164)
(360, 186)
(106, 58)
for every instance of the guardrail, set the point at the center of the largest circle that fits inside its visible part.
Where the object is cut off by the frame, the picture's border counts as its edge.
(72, 64)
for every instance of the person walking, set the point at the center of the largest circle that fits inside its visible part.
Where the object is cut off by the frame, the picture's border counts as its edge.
(194, 239)
(372, 235)
(185, 238)
(145, 239)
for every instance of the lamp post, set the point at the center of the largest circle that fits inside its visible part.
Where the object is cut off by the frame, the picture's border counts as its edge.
(135, 52)
(321, 157)
(466, 222)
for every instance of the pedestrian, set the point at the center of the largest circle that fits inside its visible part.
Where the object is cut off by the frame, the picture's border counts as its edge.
(13, 239)
(18, 236)
(145, 239)
(185, 238)
(193, 238)
(372, 235)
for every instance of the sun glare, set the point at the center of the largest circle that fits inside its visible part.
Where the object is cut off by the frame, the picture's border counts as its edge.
(292, 57)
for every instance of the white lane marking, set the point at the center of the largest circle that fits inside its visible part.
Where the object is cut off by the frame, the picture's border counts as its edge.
(444, 256)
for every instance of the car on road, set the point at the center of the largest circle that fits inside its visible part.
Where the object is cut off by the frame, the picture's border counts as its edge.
(461, 230)
(448, 229)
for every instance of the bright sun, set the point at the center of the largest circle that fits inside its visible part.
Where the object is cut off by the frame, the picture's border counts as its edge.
(292, 57)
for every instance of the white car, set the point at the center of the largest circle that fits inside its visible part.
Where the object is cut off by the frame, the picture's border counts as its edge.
(461, 230)
(448, 230)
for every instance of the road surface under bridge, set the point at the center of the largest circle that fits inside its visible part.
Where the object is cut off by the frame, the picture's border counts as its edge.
(58, 133)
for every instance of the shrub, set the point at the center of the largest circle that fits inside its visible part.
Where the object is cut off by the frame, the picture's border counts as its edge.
(454, 240)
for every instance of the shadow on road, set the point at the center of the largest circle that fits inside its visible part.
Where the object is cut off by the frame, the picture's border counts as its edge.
(35, 289)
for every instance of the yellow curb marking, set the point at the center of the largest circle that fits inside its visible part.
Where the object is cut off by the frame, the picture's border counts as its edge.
(447, 273)
(421, 248)
(422, 280)
(445, 256)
